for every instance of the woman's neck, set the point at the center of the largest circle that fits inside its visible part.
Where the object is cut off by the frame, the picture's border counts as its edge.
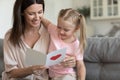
(31, 35)
(32, 30)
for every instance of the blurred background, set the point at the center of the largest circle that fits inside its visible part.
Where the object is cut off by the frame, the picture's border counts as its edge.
(102, 16)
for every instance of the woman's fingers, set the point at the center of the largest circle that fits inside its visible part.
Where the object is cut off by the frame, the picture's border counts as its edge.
(38, 69)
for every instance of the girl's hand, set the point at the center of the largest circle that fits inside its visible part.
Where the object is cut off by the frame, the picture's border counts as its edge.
(69, 61)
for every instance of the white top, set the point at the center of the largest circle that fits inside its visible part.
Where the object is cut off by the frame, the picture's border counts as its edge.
(14, 56)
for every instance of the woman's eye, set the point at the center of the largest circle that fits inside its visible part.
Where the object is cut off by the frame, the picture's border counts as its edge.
(66, 30)
(40, 12)
(31, 13)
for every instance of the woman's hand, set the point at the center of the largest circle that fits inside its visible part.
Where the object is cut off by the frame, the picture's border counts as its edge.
(38, 69)
(69, 61)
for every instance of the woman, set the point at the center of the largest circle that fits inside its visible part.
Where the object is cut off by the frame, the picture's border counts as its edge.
(27, 32)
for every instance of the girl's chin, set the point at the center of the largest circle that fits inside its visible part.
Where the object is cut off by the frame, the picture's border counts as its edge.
(63, 38)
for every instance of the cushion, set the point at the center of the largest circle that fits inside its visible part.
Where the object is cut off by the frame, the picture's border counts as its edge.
(1, 57)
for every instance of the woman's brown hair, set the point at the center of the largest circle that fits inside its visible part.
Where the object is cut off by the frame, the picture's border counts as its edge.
(18, 28)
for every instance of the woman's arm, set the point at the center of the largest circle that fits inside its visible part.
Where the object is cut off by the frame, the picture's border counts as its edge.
(81, 70)
(11, 63)
(20, 73)
(23, 72)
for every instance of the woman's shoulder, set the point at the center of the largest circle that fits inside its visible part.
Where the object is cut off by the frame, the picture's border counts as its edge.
(7, 34)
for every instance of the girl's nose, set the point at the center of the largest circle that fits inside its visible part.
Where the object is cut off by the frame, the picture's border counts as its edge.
(61, 31)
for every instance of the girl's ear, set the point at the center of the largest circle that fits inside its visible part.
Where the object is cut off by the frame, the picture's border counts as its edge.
(77, 28)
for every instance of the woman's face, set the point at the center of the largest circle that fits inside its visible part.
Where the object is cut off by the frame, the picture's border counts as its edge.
(32, 15)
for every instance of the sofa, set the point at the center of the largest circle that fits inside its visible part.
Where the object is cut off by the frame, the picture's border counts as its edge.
(1, 58)
(102, 58)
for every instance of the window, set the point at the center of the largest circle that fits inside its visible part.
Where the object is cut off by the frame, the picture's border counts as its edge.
(102, 9)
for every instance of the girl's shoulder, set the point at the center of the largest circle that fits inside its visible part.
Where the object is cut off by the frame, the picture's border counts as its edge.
(52, 26)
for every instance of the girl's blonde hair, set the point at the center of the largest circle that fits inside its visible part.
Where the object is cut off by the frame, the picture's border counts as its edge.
(78, 20)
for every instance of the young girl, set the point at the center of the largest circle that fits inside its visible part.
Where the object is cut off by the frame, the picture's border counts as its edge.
(63, 35)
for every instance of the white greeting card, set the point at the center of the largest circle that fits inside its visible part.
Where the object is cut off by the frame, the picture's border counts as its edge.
(34, 57)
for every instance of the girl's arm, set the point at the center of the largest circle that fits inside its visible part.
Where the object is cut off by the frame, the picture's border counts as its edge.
(81, 70)
(45, 22)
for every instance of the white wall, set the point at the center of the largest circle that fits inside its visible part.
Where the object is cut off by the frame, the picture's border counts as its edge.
(54, 6)
(96, 26)
(51, 12)
(80, 3)
(5, 16)
(104, 26)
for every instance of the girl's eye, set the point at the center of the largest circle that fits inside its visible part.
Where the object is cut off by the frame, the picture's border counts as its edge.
(66, 30)
(59, 27)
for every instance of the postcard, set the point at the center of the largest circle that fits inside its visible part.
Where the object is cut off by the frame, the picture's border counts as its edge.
(34, 57)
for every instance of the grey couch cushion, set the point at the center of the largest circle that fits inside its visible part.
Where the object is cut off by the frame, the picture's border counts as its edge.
(1, 57)
(102, 58)
(1, 47)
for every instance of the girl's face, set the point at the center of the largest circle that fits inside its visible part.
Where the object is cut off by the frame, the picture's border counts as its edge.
(32, 15)
(66, 29)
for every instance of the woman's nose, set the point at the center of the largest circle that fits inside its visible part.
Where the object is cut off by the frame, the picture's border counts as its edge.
(37, 16)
